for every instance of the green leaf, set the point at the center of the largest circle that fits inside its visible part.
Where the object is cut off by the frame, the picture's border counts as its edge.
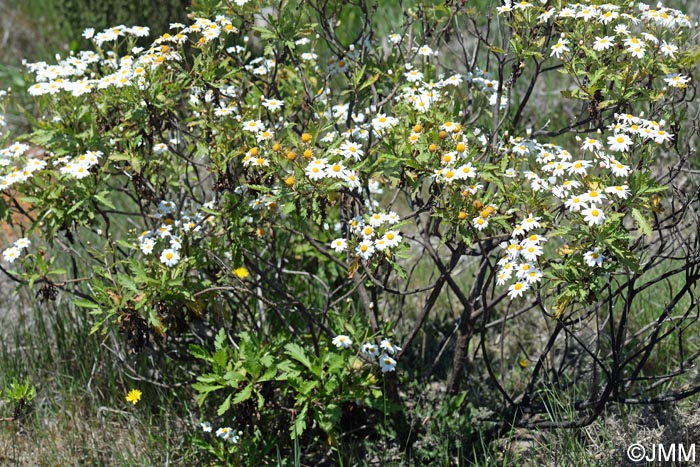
(225, 405)
(102, 199)
(329, 418)
(127, 283)
(266, 360)
(197, 351)
(370, 81)
(126, 245)
(57, 272)
(119, 157)
(243, 396)
(299, 425)
(206, 388)
(234, 377)
(220, 358)
(642, 222)
(307, 387)
(297, 353)
(220, 340)
(269, 375)
(84, 303)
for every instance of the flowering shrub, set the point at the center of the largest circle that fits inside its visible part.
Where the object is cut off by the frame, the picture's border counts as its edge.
(307, 196)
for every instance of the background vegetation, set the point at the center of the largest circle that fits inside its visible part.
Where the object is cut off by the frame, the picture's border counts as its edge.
(78, 415)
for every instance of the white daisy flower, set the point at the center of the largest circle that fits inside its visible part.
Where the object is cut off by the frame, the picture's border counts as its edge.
(342, 341)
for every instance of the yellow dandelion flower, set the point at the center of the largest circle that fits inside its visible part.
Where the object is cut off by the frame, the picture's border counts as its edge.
(241, 272)
(134, 396)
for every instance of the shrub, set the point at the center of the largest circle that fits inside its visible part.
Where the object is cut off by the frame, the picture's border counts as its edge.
(291, 195)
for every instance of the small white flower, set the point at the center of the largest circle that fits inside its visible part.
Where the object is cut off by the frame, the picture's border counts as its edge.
(369, 349)
(11, 254)
(342, 341)
(619, 142)
(386, 363)
(367, 231)
(593, 258)
(669, 50)
(392, 218)
(254, 126)
(392, 238)
(365, 249)
(272, 105)
(593, 216)
(224, 432)
(594, 196)
(618, 169)
(559, 48)
(575, 203)
(677, 80)
(530, 223)
(503, 277)
(170, 257)
(388, 347)
(377, 219)
(339, 245)
(206, 427)
(603, 43)
(147, 246)
(480, 223)
(517, 289)
(22, 243)
(622, 191)
(426, 51)
(349, 149)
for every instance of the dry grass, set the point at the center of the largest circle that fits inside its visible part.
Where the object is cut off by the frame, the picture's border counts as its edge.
(82, 436)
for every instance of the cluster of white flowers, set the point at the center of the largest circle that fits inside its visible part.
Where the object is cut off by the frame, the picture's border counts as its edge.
(114, 33)
(604, 14)
(225, 432)
(86, 71)
(565, 178)
(12, 253)
(545, 168)
(628, 29)
(16, 166)
(323, 168)
(169, 236)
(257, 128)
(422, 95)
(369, 236)
(261, 66)
(79, 166)
(481, 82)
(382, 353)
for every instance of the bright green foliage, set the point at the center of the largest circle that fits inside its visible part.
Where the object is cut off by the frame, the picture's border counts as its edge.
(272, 190)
